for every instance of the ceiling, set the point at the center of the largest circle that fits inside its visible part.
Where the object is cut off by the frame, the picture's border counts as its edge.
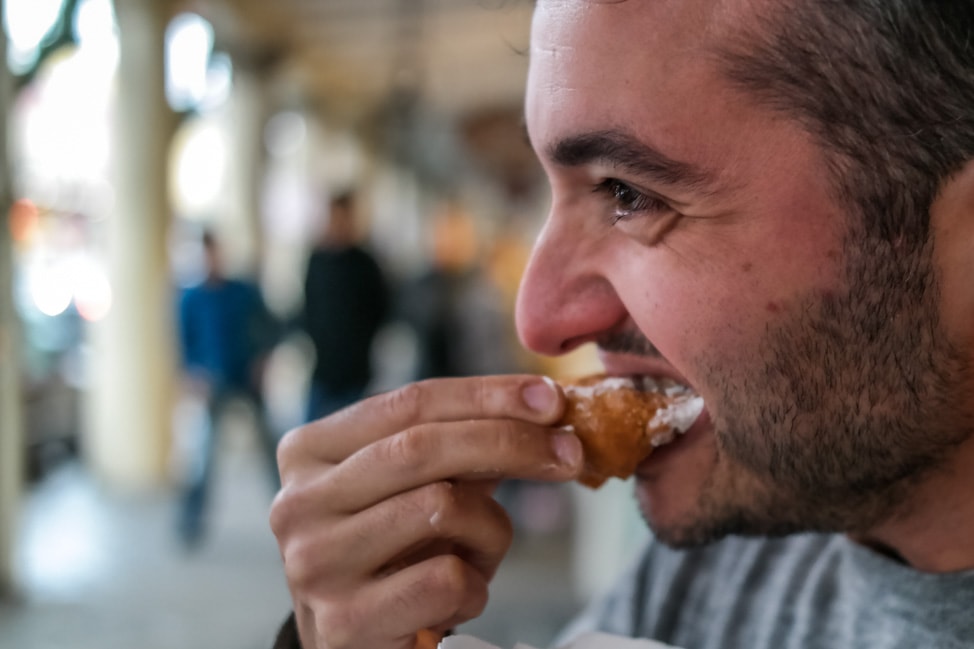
(438, 84)
(357, 58)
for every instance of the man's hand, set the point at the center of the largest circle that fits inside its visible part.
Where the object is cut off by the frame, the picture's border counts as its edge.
(385, 520)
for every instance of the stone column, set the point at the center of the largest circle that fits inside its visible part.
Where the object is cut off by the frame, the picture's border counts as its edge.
(246, 113)
(129, 410)
(11, 419)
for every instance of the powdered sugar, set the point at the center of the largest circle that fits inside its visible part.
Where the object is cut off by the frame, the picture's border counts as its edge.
(679, 415)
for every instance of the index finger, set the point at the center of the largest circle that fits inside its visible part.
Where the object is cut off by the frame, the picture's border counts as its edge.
(531, 398)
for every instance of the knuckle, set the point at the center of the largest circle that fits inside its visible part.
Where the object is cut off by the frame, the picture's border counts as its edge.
(410, 448)
(297, 563)
(289, 449)
(281, 512)
(465, 592)
(482, 393)
(305, 564)
(439, 498)
(337, 626)
(475, 602)
(451, 576)
(406, 402)
(291, 505)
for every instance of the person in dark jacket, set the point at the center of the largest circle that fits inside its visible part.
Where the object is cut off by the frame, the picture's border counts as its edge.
(345, 304)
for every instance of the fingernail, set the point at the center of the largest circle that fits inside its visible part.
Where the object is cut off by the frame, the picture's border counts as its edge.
(567, 447)
(541, 395)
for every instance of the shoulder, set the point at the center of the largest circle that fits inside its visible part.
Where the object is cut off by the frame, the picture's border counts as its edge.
(665, 585)
(242, 287)
(363, 255)
(190, 294)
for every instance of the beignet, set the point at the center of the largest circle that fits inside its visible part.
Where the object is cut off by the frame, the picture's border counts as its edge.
(620, 420)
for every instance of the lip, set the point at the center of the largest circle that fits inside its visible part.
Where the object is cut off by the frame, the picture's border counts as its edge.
(682, 444)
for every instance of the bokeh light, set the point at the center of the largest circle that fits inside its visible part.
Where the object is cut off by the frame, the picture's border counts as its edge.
(27, 22)
(189, 44)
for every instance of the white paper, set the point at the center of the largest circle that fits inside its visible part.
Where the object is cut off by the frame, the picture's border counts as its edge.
(586, 641)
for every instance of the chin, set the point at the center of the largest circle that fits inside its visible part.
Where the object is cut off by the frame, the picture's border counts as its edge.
(677, 485)
(675, 519)
(702, 514)
(681, 528)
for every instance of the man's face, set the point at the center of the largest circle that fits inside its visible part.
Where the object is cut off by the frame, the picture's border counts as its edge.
(693, 235)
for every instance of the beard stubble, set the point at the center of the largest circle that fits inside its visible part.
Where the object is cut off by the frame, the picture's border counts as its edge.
(842, 410)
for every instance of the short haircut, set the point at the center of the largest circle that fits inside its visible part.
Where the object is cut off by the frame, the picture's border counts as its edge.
(886, 87)
(208, 238)
(344, 200)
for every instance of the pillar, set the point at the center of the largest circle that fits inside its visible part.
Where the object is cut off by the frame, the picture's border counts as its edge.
(129, 409)
(246, 113)
(11, 419)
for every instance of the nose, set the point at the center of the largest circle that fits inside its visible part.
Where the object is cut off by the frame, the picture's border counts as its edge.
(566, 298)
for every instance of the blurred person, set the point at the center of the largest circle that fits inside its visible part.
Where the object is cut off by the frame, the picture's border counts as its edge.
(346, 301)
(463, 327)
(772, 203)
(226, 334)
(454, 307)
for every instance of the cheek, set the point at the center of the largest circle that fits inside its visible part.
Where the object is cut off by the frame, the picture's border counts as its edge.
(717, 285)
(720, 314)
(686, 313)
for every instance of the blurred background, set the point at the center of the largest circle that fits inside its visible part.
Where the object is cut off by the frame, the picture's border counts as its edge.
(131, 129)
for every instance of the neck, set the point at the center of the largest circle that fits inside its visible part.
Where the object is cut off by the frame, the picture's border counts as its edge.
(936, 532)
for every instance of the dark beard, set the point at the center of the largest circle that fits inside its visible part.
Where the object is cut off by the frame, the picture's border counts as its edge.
(856, 400)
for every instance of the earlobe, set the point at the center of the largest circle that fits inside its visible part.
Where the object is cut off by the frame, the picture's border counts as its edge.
(953, 208)
(952, 232)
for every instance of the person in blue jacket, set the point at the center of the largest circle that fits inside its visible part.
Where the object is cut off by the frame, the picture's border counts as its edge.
(225, 335)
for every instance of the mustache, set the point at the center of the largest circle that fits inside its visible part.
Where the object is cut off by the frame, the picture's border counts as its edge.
(630, 341)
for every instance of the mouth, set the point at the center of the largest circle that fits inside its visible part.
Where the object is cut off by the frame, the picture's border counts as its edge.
(676, 419)
(680, 453)
(685, 418)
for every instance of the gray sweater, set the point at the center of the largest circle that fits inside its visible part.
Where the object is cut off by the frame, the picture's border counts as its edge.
(802, 592)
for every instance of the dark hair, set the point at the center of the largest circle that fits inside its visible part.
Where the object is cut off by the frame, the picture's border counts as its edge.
(344, 200)
(885, 86)
(208, 238)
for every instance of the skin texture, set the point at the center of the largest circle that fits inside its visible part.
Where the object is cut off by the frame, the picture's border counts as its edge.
(693, 235)
(836, 366)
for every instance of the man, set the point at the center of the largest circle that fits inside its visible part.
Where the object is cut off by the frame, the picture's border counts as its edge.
(225, 334)
(773, 202)
(345, 303)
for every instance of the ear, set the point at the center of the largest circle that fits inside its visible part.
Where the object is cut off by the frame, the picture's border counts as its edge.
(952, 230)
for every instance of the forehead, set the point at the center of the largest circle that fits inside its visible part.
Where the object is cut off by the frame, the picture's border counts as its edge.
(640, 64)
(657, 22)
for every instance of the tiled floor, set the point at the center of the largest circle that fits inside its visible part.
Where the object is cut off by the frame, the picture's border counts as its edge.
(101, 571)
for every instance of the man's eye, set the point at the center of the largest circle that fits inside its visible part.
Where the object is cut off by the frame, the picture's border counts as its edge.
(628, 201)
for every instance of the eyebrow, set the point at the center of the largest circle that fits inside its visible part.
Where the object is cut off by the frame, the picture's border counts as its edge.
(619, 149)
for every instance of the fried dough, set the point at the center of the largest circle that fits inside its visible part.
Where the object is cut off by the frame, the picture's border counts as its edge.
(620, 420)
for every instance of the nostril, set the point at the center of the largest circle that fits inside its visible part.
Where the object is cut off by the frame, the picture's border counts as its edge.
(570, 345)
